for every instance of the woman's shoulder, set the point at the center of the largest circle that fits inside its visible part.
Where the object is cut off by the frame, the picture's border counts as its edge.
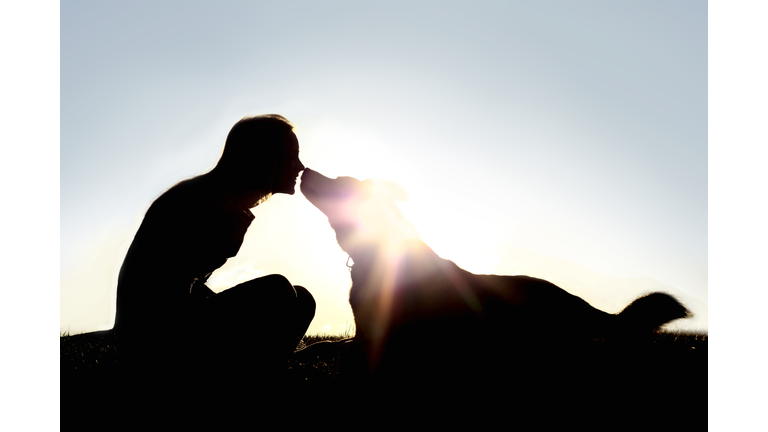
(195, 192)
(189, 202)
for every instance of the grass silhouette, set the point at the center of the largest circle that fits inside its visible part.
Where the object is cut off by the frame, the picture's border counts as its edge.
(98, 351)
(659, 382)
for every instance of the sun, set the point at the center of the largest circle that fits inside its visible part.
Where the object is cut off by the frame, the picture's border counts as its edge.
(455, 236)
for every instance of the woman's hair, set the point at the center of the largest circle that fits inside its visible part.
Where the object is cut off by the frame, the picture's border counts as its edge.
(254, 138)
(254, 146)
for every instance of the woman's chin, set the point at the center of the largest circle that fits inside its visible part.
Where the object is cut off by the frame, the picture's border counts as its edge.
(287, 191)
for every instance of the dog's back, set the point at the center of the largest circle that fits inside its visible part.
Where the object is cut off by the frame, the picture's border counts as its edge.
(420, 317)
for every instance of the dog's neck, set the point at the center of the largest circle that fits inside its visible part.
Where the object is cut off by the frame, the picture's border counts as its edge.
(365, 257)
(368, 246)
(361, 257)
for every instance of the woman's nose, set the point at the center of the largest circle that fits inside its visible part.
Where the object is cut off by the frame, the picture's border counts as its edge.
(301, 166)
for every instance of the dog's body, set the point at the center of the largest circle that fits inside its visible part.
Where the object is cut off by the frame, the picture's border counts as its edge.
(410, 305)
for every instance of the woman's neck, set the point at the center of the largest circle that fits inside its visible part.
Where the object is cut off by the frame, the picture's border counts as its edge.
(230, 188)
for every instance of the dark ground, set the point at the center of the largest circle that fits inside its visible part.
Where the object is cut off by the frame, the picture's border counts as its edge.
(657, 384)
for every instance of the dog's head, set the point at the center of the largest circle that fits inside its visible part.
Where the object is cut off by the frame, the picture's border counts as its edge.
(363, 214)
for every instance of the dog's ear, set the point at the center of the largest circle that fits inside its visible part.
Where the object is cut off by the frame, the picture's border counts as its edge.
(388, 189)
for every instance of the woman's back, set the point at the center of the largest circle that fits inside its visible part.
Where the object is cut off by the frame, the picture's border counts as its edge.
(186, 234)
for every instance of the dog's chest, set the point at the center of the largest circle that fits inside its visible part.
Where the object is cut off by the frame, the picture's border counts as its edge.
(393, 293)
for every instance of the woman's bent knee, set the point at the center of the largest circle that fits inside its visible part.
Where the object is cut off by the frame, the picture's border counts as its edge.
(273, 279)
(267, 298)
(304, 297)
(272, 288)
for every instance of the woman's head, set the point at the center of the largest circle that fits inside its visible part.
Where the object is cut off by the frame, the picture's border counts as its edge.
(260, 156)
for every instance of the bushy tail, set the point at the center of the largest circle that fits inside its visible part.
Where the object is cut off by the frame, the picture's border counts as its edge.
(651, 311)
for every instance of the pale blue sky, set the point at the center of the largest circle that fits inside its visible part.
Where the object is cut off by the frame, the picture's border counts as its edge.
(141, 102)
(573, 130)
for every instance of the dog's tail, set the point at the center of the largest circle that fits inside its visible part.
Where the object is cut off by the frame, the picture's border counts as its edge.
(651, 311)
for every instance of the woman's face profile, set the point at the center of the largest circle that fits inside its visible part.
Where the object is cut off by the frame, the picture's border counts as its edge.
(288, 166)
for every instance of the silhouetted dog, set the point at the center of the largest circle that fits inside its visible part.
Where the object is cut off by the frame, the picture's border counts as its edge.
(416, 311)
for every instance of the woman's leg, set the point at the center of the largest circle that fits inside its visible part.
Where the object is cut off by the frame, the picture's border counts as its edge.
(266, 316)
(305, 312)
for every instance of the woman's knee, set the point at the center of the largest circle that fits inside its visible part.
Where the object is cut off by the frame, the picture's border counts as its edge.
(279, 289)
(277, 281)
(275, 287)
(305, 300)
(272, 294)
(304, 296)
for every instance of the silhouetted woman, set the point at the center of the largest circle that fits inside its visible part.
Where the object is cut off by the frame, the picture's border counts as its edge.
(166, 315)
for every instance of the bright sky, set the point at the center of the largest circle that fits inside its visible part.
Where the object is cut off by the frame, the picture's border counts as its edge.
(573, 130)
(565, 140)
